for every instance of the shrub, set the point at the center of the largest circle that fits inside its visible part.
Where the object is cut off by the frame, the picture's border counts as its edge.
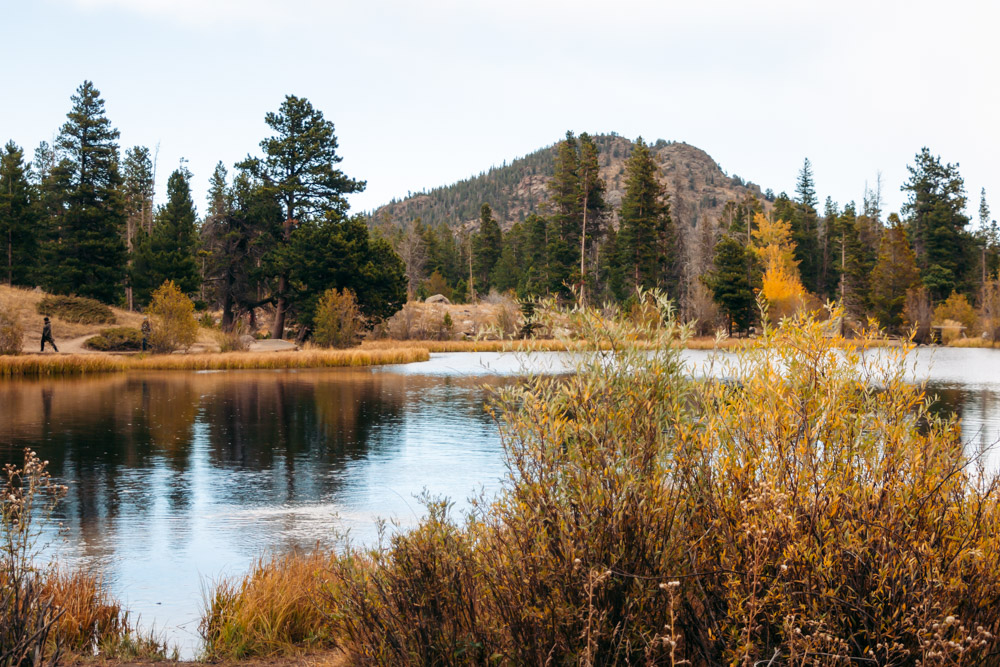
(236, 340)
(338, 319)
(116, 339)
(27, 614)
(958, 309)
(76, 309)
(11, 334)
(172, 318)
(808, 510)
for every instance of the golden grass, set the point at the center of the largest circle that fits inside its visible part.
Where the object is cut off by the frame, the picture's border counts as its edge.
(974, 342)
(36, 365)
(271, 610)
(89, 613)
(531, 345)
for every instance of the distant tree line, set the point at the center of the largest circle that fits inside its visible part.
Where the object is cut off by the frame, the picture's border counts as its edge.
(79, 219)
(896, 269)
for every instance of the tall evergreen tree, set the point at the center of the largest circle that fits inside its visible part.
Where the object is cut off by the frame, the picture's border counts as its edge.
(535, 276)
(936, 224)
(137, 175)
(730, 283)
(567, 216)
(805, 188)
(894, 274)
(507, 272)
(86, 253)
(988, 239)
(487, 244)
(592, 205)
(169, 252)
(648, 236)
(18, 218)
(339, 253)
(802, 216)
(237, 234)
(856, 263)
(299, 170)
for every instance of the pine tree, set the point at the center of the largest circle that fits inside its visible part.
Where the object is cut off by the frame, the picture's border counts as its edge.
(592, 205)
(567, 217)
(337, 253)
(237, 234)
(168, 253)
(507, 273)
(805, 188)
(857, 262)
(730, 282)
(805, 229)
(647, 232)
(86, 253)
(487, 244)
(137, 174)
(936, 224)
(299, 170)
(534, 279)
(894, 274)
(18, 217)
(988, 239)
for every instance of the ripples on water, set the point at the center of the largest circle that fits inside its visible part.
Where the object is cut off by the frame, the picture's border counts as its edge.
(177, 479)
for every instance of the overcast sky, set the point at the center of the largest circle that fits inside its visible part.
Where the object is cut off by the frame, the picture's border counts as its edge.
(425, 93)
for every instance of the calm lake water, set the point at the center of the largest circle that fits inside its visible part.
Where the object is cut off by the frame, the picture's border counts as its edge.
(176, 479)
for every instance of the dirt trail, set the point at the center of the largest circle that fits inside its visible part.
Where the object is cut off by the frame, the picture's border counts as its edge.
(66, 346)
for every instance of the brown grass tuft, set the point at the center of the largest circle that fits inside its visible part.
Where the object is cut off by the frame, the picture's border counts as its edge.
(272, 610)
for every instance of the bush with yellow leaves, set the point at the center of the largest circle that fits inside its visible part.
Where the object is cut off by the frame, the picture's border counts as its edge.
(172, 318)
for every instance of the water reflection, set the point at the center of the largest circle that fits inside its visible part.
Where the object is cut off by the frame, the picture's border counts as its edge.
(175, 477)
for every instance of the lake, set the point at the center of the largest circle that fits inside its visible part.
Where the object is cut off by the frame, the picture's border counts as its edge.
(176, 479)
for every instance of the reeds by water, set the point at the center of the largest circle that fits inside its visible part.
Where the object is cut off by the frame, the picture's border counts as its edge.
(269, 611)
(35, 365)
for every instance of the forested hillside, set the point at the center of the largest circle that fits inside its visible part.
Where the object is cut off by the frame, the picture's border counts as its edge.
(696, 185)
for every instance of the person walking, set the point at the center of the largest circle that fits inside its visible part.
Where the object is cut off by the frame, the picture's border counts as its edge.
(47, 336)
(146, 330)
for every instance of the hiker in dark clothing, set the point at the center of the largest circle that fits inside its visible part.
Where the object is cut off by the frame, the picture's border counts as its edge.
(47, 336)
(146, 329)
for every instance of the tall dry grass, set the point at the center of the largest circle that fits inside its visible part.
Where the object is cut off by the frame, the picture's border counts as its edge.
(271, 610)
(76, 364)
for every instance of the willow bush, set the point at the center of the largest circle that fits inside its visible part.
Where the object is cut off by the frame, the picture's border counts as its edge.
(806, 509)
(172, 317)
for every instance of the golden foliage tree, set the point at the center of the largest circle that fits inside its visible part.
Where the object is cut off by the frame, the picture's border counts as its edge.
(781, 285)
(172, 317)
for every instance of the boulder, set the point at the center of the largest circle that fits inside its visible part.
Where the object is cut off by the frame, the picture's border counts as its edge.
(437, 298)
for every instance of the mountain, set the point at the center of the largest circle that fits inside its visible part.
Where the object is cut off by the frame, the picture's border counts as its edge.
(697, 185)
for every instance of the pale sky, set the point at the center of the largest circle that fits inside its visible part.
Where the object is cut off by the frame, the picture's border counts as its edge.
(427, 93)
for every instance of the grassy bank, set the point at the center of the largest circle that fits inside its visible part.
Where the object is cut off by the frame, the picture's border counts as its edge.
(540, 345)
(75, 364)
(812, 510)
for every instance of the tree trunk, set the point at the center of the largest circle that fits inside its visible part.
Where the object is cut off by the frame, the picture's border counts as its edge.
(278, 330)
(583, 252)
(227, 312)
